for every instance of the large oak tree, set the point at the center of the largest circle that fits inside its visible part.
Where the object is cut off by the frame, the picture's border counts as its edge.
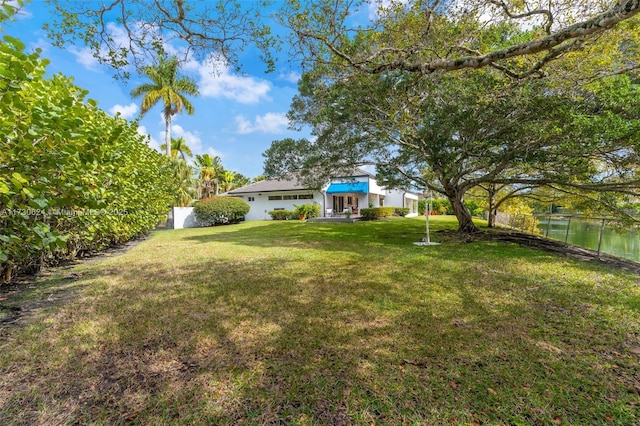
(413, 36)
(453, 132)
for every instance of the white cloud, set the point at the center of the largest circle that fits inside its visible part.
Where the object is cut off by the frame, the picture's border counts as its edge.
(378, 7)
(192, 138)
(85, 58)
(244, 125)
(271, 122)
(41, 44)
(217, 81)
(153, 143)
(565, 12)
(214, 153)
(194, 142)
(120, 37)
(126, 111)
(291, 76)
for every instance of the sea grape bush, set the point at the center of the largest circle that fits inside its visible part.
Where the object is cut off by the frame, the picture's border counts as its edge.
(72, 178)
(220, 210)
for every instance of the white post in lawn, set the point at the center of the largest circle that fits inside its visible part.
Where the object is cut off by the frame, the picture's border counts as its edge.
(427, 241)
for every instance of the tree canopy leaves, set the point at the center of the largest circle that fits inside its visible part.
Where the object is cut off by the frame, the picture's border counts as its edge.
(435, 36)
(168, 88)
(126, 33)
(453, 132)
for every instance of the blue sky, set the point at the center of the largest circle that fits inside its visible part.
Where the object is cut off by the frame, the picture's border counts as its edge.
(237, 115)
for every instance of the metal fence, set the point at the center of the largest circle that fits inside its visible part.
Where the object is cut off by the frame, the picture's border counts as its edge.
(579, 230)
(521, 222)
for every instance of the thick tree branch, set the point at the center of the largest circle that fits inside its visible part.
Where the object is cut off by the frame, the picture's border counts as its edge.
(544, 12)
(620, 12)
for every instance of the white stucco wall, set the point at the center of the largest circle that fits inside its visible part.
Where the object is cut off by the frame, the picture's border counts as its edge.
(261, 205)
(399, 198)
(183, 217)
(374, 188)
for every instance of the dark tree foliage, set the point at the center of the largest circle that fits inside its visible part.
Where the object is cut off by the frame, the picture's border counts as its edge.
(452, 132)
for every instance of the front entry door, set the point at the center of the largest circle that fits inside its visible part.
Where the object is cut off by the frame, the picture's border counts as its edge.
(338, 204)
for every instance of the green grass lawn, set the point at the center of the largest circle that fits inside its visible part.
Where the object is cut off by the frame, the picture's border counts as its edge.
(329, 323)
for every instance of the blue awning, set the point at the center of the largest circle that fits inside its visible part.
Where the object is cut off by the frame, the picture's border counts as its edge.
(347, 187)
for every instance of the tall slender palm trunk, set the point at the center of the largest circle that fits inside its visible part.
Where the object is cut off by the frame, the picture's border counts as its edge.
(167, 134)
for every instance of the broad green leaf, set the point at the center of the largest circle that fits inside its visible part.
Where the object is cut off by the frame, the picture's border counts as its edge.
(18, 177)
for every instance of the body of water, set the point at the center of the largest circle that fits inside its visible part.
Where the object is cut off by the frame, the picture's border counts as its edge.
(585, 233)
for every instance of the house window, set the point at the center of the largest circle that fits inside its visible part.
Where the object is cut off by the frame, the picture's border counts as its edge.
(275, 197)
(289, 197)
(251, 198)
(305, 197)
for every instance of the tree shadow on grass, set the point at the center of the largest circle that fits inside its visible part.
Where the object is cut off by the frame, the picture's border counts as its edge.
(269, 349)
(295, 234)
(223, 341)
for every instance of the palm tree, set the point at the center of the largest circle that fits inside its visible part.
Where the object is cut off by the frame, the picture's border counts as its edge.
(210, 171)
(168, 87)
(185, 189)
(178, 147)
(228, 178)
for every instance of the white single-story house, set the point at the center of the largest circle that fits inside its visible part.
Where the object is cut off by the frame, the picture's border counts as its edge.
(347, 193)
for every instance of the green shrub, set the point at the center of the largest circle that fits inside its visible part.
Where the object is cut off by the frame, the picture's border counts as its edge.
(220, 210)
(474, 208)
(401, 211)
(74, 179)
(283, 214)
(422, 206)
(374, 213)
(369, 213)
(441, 205)
(314, 212)
(309, 210)
(385, 211)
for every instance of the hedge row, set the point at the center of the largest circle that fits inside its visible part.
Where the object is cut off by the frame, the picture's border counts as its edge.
(283, 214)
(74, 179)
(374, 213)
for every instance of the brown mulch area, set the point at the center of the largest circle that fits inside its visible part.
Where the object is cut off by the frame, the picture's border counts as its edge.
(544, 244)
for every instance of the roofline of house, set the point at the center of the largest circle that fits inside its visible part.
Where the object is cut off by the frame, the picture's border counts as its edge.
(237, 191)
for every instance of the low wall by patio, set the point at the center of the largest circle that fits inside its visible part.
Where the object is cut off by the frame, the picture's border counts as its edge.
(184, 217)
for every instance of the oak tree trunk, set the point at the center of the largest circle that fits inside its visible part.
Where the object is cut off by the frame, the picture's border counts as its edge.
(465, 221)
